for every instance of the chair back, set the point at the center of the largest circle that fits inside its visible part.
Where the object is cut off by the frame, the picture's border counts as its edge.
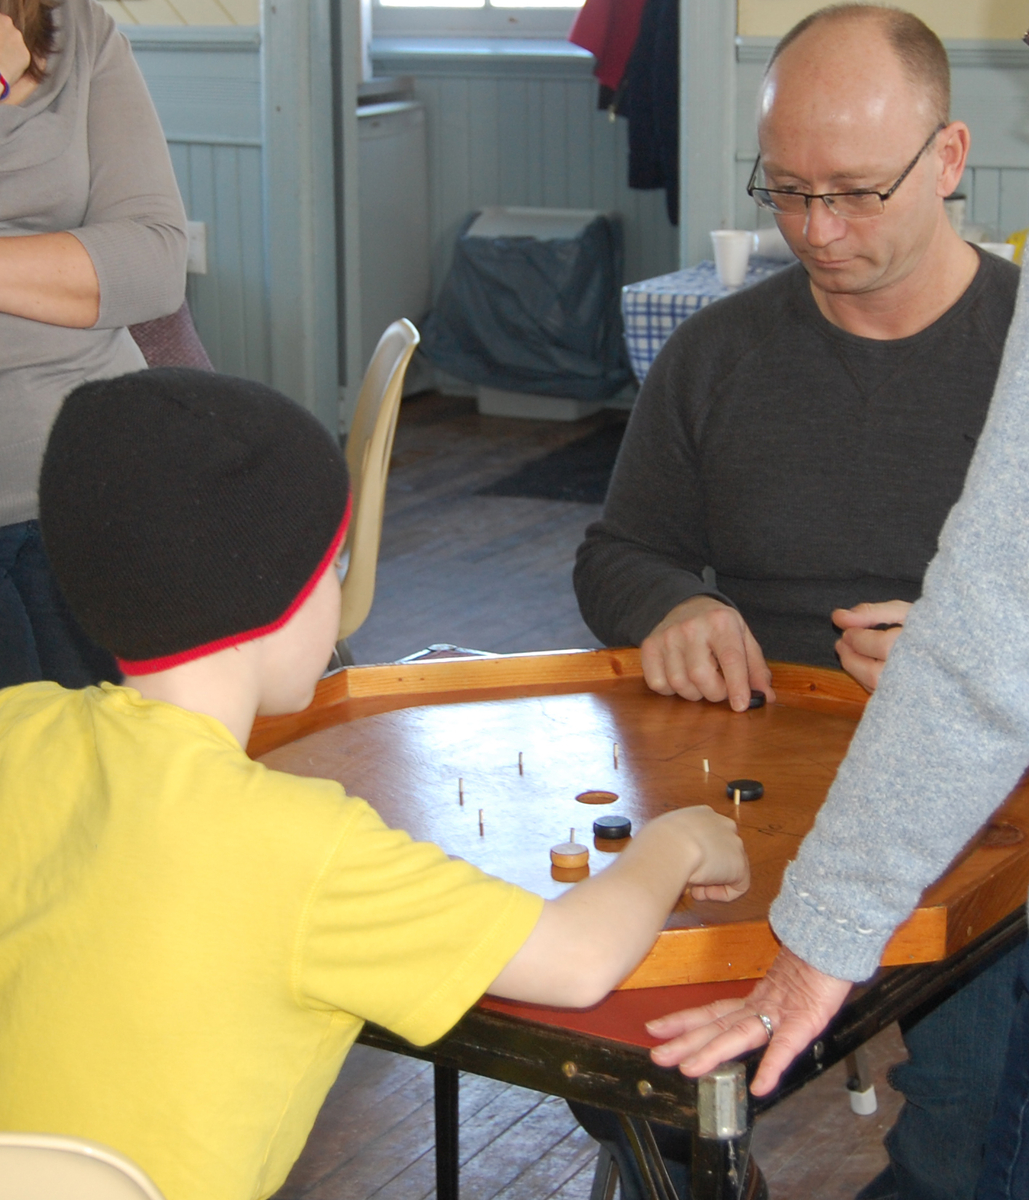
(42, 1166)
(369, 445)
(171, 341)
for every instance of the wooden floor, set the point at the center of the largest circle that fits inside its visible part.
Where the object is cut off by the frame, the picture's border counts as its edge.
(489, 572)
(494, 573)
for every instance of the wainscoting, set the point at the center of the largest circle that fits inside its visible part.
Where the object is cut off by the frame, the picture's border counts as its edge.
(206, 86)
(508, 122)
(519, 125)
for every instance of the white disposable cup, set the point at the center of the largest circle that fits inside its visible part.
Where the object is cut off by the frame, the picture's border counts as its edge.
(732, 253)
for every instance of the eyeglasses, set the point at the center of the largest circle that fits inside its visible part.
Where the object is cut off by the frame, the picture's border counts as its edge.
(862, 203)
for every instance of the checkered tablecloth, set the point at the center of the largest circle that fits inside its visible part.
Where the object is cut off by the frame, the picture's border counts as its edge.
(653, 308)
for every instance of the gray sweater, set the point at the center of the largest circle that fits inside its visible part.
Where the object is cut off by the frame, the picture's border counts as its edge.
(946, 736)
(84, 153)
(809, 468)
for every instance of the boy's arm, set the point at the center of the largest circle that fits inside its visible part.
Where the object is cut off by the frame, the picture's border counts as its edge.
(589, 939)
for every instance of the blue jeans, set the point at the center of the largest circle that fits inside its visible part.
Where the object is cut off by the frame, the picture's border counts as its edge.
(1005, 1173)
(950, 1084)
(39, 638)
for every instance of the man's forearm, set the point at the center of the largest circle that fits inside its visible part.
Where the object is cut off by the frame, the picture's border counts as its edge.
(49, 277)
(624, 591)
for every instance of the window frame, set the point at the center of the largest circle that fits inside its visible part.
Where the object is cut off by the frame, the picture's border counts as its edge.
(486, 22)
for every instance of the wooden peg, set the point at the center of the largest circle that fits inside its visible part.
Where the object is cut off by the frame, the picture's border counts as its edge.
(569, 855)
(481, 830)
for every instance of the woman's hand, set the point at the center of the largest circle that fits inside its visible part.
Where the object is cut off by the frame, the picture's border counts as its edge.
(14, 55)
(797, 1000)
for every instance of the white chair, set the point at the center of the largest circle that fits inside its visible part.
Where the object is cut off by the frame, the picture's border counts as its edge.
(43, 1166)
(369, 445)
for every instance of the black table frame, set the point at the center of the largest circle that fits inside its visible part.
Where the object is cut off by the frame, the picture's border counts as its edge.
(621, 1077)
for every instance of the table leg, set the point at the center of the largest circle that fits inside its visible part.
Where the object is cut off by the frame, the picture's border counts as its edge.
(448, 1165)
(860, 1083)
(648, 1158)
(720, 1169)
(721, 1141)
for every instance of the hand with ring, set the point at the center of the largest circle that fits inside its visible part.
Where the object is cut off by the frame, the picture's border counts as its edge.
(792, 1005)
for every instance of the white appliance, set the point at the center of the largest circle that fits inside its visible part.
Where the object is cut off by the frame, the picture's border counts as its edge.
(394, 216)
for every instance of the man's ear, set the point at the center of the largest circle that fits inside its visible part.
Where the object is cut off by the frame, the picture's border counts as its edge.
(952, 146)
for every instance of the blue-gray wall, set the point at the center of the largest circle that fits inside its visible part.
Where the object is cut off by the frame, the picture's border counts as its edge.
(521, 127)
(515, 127)
(206, 86)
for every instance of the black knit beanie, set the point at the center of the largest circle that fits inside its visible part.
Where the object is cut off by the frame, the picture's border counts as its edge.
(183, 512)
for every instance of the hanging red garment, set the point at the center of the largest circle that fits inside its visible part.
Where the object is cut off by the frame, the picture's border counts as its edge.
(608, 29)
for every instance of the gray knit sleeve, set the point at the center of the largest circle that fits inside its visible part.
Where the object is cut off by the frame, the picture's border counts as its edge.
(946, 736)
(134, 229)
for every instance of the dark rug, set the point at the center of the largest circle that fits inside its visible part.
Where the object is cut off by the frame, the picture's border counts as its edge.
(579, 471)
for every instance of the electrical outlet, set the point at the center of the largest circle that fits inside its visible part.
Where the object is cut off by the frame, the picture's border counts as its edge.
(196, 254)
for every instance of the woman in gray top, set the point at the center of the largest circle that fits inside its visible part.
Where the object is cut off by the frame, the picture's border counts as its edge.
(943, 741)
(92, 239)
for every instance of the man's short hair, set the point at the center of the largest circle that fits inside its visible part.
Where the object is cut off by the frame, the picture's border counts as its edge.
(920, 51)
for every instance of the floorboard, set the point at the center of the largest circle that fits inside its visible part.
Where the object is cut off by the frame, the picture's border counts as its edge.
(494, 573)
(491, 572)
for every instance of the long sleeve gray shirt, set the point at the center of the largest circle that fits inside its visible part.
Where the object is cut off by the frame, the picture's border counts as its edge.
(946, 735)
(84, 154)
(809, 468)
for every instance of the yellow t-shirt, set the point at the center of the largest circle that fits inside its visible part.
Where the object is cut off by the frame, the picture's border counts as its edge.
(189, 941)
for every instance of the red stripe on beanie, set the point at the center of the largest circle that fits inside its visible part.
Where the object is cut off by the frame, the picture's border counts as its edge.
(150, 666)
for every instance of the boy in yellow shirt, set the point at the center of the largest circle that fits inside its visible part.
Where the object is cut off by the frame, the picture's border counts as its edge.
(189, 942)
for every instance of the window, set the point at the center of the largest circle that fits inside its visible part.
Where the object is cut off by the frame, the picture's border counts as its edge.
(474, 18)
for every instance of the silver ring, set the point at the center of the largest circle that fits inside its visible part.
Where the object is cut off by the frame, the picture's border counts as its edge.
(767, 1022)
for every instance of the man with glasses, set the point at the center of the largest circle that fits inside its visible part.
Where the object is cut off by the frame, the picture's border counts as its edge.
(796, 447)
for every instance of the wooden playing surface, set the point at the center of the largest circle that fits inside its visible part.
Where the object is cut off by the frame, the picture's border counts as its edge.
(403, 736)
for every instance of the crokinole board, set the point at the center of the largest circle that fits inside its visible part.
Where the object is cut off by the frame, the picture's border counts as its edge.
(403, 735)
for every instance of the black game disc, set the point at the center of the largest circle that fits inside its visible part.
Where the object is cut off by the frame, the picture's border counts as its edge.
(757, 700)
(612, 829)
(749, 789)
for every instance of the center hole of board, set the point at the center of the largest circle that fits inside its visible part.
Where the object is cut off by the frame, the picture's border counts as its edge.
(597, 797)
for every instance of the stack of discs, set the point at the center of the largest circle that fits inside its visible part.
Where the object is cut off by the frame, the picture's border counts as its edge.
(611, 832)
(570, 853)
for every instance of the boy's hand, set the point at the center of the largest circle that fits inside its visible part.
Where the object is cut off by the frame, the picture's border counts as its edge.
(722, 872)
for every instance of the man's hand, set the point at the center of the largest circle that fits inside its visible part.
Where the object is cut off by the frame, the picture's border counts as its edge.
(703, 650)
(797, 999)
(14, 56)
(863, 648)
